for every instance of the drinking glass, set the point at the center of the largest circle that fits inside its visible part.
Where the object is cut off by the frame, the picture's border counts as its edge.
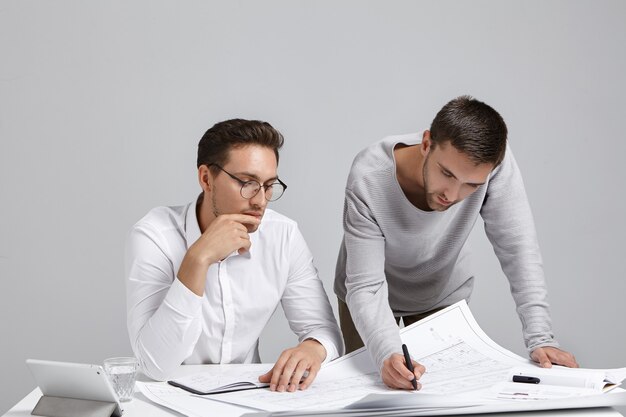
(122, 373)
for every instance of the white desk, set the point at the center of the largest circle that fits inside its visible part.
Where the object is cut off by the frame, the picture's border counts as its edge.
(140, 406)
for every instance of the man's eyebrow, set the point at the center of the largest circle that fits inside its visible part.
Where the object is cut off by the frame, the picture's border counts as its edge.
(255, 177)
(447, 170)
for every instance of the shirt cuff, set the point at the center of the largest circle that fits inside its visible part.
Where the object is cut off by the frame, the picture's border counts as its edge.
(553, 344)
(331, 349)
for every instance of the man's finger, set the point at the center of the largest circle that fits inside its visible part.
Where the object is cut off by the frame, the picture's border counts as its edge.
(310, 377)
(401, 368)
(286, 373)
(402, 382)
(285, 379)
(244, 245)
(395, 379)
(419, 368)
(243, 218)
(277, 372)
(296, 378)
(266, 377)
(571, 362)
(560, 357)
(540, 356)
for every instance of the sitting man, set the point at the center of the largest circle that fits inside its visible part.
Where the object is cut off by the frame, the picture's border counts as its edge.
(203, 279)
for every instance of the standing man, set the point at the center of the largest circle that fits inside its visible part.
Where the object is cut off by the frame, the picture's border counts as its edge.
(411, 202)
(204, 279)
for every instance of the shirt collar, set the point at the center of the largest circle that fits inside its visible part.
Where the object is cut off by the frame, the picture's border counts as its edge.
(192, 227)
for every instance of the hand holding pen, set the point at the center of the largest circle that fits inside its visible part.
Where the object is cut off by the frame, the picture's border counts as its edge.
(396, 374)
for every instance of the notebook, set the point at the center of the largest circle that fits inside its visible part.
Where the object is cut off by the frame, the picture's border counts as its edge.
(211, 383)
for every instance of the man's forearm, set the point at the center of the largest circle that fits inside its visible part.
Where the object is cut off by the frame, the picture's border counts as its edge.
(374, 321)
(166, 339)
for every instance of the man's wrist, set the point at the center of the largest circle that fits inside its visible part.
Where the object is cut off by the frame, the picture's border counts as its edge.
(192, 272)
(199, 259)
(317, 345)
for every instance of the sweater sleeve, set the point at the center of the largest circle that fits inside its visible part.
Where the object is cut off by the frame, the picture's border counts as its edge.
(367, 294)
(510, 227)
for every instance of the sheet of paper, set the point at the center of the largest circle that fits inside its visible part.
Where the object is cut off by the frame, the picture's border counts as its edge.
(404, 405)
(414, 404)
(169, 397)
(189, 404)
(526, 392)
(331, 394)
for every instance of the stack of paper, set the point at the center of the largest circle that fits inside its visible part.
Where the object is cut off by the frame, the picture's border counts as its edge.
(466, 372)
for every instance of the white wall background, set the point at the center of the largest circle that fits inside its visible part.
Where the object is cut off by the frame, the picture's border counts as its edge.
(102, 105)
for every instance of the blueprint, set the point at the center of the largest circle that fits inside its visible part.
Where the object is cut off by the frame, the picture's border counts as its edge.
(459, 358)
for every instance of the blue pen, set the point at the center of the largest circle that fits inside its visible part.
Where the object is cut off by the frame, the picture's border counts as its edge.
(409, 364)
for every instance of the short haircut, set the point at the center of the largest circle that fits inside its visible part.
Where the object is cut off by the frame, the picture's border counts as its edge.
(473, 128)
(215, 145)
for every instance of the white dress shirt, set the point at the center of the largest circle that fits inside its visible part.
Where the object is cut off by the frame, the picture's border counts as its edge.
(168, 324)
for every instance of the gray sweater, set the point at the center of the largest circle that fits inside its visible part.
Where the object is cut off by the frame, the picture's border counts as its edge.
(396, 259)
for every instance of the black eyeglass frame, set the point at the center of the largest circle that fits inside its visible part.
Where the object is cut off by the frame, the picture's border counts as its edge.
(244, 183)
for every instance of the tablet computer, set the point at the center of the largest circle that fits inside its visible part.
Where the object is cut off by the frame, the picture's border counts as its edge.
(74, 380)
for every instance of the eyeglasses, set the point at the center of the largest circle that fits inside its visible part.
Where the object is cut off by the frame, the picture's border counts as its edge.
(251, 188)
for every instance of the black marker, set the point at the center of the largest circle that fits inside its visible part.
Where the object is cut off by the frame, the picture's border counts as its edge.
(409, 364)
(526, 379)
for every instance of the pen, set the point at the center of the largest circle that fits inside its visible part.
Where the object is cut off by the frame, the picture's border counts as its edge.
(526, 379)
(409, 364)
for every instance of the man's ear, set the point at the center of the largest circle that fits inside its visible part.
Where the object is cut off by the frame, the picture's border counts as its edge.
(426, 144)
(205, 179)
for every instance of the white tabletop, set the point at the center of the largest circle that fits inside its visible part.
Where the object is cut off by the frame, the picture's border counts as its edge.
(140, 406)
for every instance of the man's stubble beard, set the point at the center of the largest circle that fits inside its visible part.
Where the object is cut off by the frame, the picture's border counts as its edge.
(431, 199)
(216, 212)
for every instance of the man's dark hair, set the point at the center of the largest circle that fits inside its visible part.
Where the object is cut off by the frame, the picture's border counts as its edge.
(473, 128)
(215, 145)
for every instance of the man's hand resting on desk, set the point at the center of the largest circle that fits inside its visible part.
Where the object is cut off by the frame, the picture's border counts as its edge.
(291, 365)
(396, 375)
(546, 356)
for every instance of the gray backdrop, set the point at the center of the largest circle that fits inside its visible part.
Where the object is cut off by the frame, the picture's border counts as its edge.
(102, 105)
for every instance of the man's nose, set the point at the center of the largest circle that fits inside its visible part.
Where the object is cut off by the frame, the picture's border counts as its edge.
(452, 192)
(259, 199)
